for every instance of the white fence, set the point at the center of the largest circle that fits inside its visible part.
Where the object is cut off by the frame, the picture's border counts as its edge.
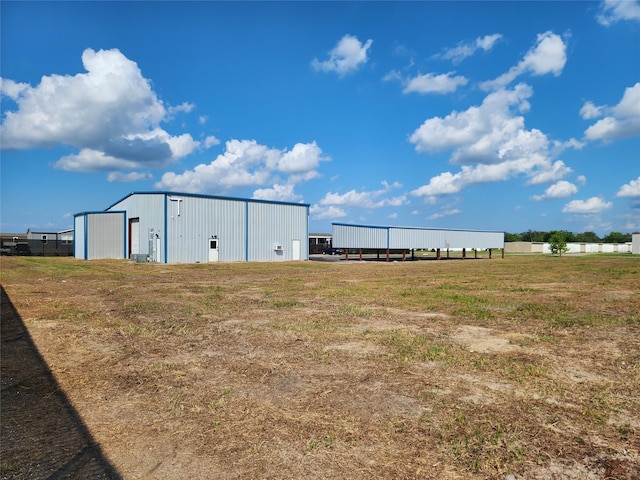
(592, 247)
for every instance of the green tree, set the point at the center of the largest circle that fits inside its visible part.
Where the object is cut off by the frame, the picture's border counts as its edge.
(617, 237)
(587, 237)
(532, 236)
(567, 235)
(558, 244)
(512, 237)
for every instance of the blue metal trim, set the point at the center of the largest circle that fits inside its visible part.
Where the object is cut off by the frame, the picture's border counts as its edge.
(166, 233)
(198, 195)
(307, 235)
(121, 200)
(124, 243)
(75, 237)
(359, 226)
(93, 212)
(416, 228)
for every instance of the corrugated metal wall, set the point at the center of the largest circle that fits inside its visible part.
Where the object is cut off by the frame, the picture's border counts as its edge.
(245, 229)
(359, 236)
(192, 221)
(105, 235)
(150, 209)
(398, 238)
(274, 224)
(79, 223)
(407, 238)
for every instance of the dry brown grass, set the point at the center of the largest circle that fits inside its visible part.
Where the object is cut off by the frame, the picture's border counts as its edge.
(526, 366)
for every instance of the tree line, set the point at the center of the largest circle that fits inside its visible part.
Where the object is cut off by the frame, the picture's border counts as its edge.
(584, 237)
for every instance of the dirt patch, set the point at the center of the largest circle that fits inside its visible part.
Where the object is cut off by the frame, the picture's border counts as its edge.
(482, 340)
(358, 348)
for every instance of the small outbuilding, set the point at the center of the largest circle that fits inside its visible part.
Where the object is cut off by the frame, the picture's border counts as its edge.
(168, 227)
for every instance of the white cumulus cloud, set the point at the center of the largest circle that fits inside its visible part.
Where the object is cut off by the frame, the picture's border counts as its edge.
(333, 205)
(622, 120)
(589, 111)
(444, 213)
(480, 133)
(211, 141)
(547, 56)
(320, 212)
(551, 174)
(463, 50)
(612, 11)
(12, 89)
(365, 199)
(631, 189)
(347, 56)
(589, 206)
(561, 189)
(491, 142)
(432, 83)
(303, 157)
(246, 163)
(128, 177)
(184, 107)
(110, 114)
(281, 193)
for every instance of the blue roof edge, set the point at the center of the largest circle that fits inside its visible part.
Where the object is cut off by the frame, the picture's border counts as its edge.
(201, 195)
(416, 228)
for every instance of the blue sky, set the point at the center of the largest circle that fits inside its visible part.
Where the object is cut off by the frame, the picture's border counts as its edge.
(494, 116)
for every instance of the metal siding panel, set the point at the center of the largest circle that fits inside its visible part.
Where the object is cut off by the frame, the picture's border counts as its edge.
(149, 208)
(443, 239)
(78, 234)
(201, 218)
(276, 224)
(105, 232)
(404, 238)
(353, 236)
(360, 236)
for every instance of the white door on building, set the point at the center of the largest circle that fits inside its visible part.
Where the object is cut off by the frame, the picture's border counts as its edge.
(157, 250)
(295, 250)
(213, 250)
(134, 236)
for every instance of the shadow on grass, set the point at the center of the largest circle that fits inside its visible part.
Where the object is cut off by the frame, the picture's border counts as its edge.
(41, 435)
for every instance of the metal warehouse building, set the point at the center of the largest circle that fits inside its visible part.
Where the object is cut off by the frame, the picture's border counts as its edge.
(411, 238)
(170, 227)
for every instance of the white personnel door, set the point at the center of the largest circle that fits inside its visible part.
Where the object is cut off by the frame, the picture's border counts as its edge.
(134, 236)
(213, 250)
(295, 250)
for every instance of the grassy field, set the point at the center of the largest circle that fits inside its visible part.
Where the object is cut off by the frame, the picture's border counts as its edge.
(477, 369)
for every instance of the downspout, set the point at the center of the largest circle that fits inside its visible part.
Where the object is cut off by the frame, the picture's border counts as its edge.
(86, 238)
(246, 230)
(307, 235)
